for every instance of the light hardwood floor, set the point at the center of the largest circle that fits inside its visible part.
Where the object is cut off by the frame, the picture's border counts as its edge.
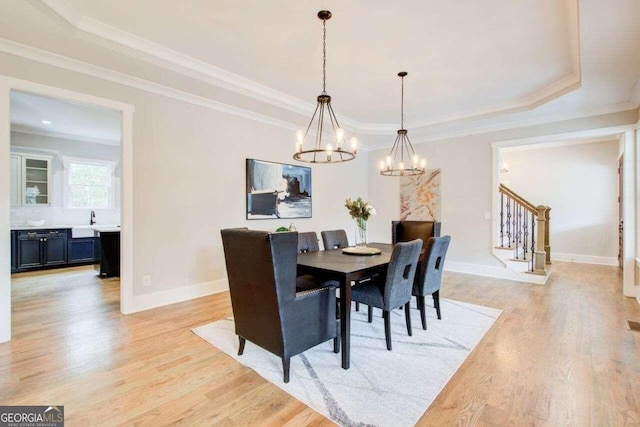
(560, 354)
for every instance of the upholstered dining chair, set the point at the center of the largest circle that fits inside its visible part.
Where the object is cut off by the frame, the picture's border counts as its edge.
(395, 290)
(267, 311)
(429, 281)
(404, 231)
(308, 242)
(334, 239)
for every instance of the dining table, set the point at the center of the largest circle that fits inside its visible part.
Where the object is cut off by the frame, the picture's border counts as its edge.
(348, 270)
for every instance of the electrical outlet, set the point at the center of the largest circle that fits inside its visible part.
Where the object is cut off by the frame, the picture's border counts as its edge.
(487, 215)
(146, 281)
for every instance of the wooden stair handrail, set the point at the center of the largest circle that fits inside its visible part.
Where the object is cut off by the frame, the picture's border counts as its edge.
(506, 190)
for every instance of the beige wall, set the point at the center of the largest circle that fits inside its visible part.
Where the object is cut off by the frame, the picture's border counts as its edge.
(189, 178)
(467, 189)
(580, 184)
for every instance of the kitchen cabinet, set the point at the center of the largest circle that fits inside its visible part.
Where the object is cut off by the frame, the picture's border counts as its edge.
(109, 238)
(41, 248)
(30, 179)
(14, 257)
(83, 250)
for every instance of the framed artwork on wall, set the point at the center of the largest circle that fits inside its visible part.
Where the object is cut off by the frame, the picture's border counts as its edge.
(420, 197)
(277, 190)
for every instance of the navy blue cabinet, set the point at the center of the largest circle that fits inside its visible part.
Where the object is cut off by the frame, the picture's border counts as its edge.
(40, 248)
(83, 250)
(14, 253)
(43, 248)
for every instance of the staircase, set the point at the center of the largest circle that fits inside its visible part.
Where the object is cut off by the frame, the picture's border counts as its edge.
(523, 240)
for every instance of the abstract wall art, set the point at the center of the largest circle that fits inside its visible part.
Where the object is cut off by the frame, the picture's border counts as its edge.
(277, 190)
(420, 197)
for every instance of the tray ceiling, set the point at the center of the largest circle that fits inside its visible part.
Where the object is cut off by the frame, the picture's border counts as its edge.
(471, 64)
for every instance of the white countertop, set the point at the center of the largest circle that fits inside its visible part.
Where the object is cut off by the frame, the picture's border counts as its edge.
(41, 227)
(60, 226)
(106, 229)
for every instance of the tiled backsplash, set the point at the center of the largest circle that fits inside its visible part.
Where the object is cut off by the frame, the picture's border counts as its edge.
(62, 216)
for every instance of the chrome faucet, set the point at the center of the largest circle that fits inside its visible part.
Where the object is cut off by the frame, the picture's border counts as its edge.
(93, 218)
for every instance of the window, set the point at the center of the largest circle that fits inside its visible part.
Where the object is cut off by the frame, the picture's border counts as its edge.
(89, 184)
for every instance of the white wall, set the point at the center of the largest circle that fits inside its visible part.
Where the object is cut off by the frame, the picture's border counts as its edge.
(56, 213)
(189, 179)
(580, 184)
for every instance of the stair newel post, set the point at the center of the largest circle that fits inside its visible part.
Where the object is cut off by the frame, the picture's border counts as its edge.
(540, 256)
(501, 220)
(547, 245)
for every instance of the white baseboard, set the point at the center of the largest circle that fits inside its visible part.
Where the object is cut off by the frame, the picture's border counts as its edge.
(172, 296)
(495, 272)
(480, 270)
(584, 259)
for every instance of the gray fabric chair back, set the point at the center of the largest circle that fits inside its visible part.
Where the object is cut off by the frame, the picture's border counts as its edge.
(308, 242)
(401, 274)
(334, 239)
(435, 254)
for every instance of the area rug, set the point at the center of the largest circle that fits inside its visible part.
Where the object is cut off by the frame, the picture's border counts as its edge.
(382, 388)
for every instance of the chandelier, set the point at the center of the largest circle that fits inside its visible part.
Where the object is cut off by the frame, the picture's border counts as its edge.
(323, 150)
(402, 159)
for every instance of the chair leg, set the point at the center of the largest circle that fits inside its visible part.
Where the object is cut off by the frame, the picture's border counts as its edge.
(407, 316)
(387, 328)
(241, 348)
(436, 303)
(336, 345)
(357, 306)
(286, 364)
(423, 315)
(370, 314)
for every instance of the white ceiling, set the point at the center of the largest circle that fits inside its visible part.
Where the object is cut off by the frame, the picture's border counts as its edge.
(69, 120)
(472, 65)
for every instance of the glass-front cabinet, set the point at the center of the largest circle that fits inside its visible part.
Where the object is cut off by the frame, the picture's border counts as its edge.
(30, 179)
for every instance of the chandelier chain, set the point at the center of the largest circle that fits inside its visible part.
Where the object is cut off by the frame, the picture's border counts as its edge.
(402, 105)
(324, 56)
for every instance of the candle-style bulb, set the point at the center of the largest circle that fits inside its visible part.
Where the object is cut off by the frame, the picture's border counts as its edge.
(329, 151)
(300, 136)
(381, 165)
(354, 143)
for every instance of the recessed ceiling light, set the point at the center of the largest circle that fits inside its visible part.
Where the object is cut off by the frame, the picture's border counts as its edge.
(45, 122)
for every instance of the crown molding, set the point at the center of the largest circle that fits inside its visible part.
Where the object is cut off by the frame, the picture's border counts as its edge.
(64, 62)
(563, 143)
(56, 60)
(609, 132)
(553, 118)
(40, 132)
(128, 43)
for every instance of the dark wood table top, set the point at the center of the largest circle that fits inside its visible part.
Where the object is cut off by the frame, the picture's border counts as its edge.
(336, 261)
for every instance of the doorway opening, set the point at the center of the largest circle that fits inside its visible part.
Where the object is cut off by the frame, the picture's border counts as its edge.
(69, 157)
